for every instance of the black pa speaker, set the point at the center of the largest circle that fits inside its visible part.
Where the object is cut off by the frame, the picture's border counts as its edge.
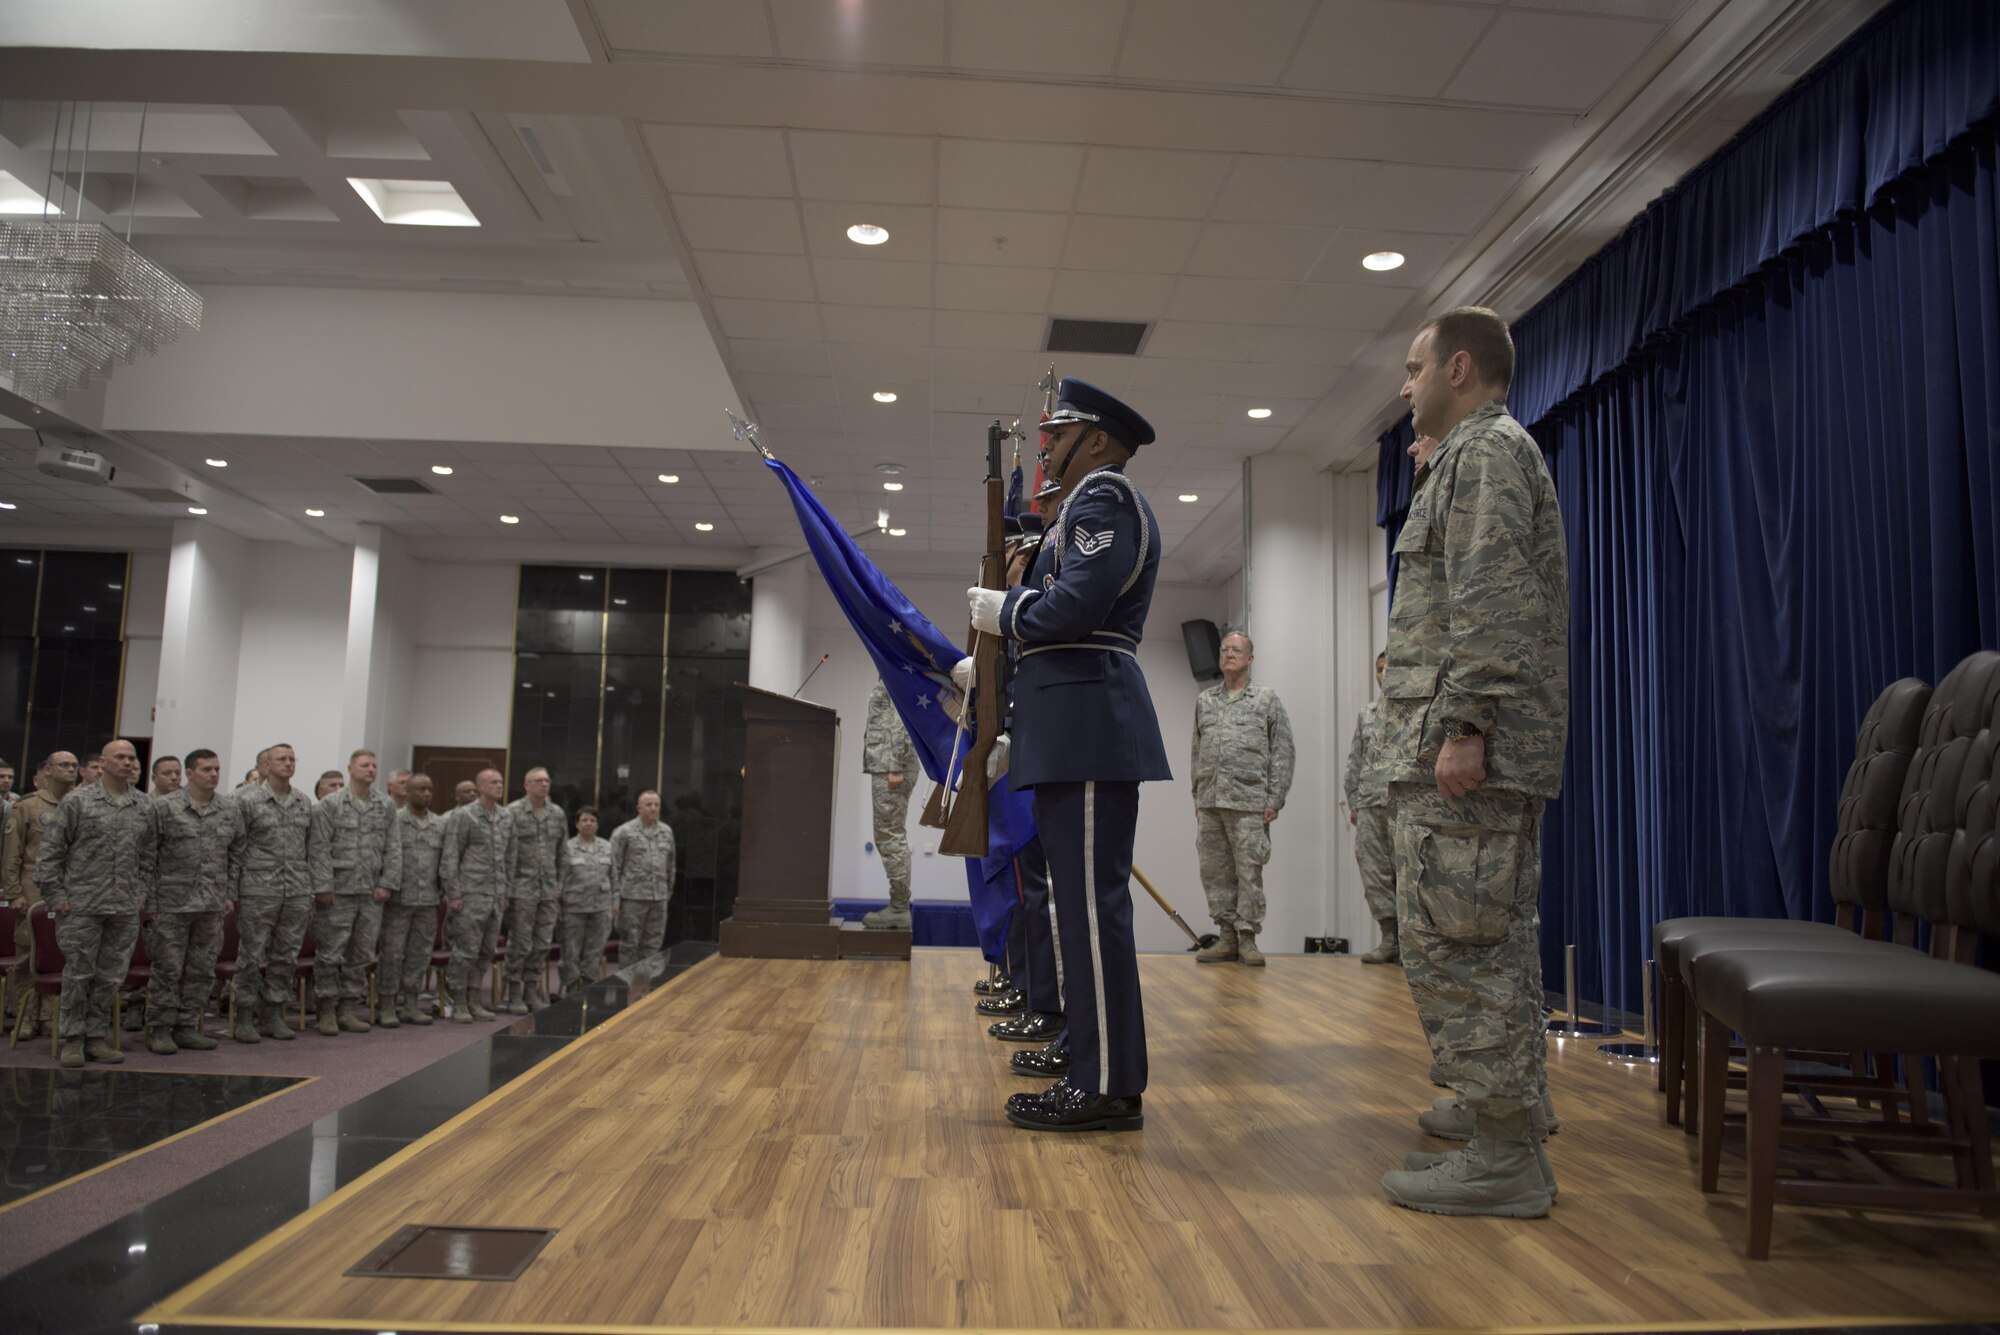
(1204, 649)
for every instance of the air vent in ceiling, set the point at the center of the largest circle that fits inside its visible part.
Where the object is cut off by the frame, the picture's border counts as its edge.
(1118, 338)
(395, 486)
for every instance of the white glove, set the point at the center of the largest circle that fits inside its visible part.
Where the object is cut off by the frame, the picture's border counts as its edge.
(986, 605)
(961, 675)
(996, 759)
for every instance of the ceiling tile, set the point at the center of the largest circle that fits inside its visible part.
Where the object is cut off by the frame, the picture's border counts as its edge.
(855, 361)
(1230, 300)
(987, 366)
(860, 392)
(981, 287)
(721, 159)
(767, 319)
(1396, 48)
(992, 236)
(779, 356)
(1430, 199)
(764, 277)
(909, 230)
(886, 420)
(816, 390)
(762, 226)
(988, 401)
(1551, 60)
(1203, 342)
(684, 27)
(1094, 295)
(1016, 35)
(989, 329)
(1265, 383)
(1258, 250)
(1150, 183)
(881, 32)
(1199, 41)
(876, 324)
(990, 174)
(1423, 257)
(1129, 245)
(872, 282)
(1163, 376)
(870, 168)
(1310, 347)
(1345, 306)
(1271, 189)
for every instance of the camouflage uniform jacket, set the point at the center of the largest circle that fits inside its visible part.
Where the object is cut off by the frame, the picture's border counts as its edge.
(886, 747)
(25, 825)
(1367, 777)
(422, 841)
(1242, 754)
(277, 830)
(100, 853)
(201, 853)
(354, 845)
(1479, 627)
(478, 853)
(642, 860)
(540, 837)
(587, 886)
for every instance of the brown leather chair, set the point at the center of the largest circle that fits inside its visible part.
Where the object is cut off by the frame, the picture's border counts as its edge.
(1944, 869)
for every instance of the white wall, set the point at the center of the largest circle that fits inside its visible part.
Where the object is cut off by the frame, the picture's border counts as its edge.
(1165, 845)
(201, 640)
(462, 653)
(145, 622)
(294, 658)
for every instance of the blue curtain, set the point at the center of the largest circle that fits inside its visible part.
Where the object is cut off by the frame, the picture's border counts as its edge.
(1772, 412)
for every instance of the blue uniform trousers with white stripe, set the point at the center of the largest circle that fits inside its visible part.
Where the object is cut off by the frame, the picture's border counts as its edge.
(1087, 831)
(1040, 979)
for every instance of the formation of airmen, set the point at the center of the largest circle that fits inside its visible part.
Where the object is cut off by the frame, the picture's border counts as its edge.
(364, 871)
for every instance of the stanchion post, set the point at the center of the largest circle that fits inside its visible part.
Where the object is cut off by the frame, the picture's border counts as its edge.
(1645, 1053)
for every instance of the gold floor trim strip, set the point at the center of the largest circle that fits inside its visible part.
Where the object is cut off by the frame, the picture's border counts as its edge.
(165, 1141)
(175, 1307)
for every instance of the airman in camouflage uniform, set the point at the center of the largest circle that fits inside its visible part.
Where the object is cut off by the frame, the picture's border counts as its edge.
(274, 903)
(23, 842)
(589, 899)
(1367, 788)
(409, 920)
(541, 832)
(1242, 764)
(357, 859)
(889, 758)
(1475, 701)
(642, 875)
(95, 868)
(476, 871)
(200, 857)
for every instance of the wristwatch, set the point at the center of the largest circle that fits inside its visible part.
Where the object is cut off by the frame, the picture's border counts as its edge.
(1456, 730)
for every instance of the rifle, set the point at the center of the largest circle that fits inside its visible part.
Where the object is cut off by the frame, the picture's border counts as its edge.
(962, 814)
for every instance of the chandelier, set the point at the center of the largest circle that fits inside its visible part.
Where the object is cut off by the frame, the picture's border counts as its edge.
(76, 299)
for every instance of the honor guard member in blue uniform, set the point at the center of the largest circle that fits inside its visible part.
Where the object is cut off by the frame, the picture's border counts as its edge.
(1084, 738)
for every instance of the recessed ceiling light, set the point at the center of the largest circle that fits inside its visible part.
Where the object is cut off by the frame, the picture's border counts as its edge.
(1383, 260)
(415, 203)
(216, 463)
(670, 478)
(892, 486)
(89, 608)
(586, 576)
(527, 686)
(29, 560)
(704, 528)
(316, 514)
(510, 519)
(619, 602)
(442, 470)
(6, 505)
(1189, 498)
(1260, 413)
(108, 586)
(899, 532)
(884, 396)
(867, 234)
(196, 510)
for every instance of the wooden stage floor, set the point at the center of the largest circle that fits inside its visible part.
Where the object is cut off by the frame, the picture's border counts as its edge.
(783, 1144)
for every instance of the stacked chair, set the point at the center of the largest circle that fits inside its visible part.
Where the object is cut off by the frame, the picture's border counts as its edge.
(1789, 995)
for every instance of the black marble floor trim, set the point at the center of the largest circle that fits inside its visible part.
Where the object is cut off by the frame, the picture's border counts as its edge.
(101, 1282)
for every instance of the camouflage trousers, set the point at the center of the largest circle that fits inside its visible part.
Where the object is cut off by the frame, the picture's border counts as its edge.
(1232, 847)
(472, 933)
(642, 928)
(407, 933)
(584, 935)
(531, 930)
(892, 835)
(344, 937)
(269, 933)
(1375, 853)
(97, 952)
(20, 988)
(1468, 889)
(183, 948)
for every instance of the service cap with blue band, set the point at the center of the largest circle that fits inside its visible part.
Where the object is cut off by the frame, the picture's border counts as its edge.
(1080, 401)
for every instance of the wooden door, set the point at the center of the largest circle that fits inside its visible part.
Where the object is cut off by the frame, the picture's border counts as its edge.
(449, 765)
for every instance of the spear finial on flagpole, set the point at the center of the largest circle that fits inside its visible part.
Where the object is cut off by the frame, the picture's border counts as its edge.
(743, 430)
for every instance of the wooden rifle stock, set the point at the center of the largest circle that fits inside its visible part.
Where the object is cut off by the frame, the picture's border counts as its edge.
(965, 824)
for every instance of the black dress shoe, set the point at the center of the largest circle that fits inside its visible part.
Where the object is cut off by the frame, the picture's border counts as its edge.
(1064, 1107)
(1002, 1003)
(990, 986)
(1042, 1063)
(1027, 1027)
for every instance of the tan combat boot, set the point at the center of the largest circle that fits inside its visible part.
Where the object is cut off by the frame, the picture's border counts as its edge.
(348, 1019)
(273, 1023)
(329, 1023)
(103, 1050)
(194, 1040)
(1224, 949)
(1246, 949)
(1497, 1173)
(1538, 1119)
(1390, 951)
(161, 1043)
(894, 918)
(244, 1027)
(72, 1053)
(407, 1012)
